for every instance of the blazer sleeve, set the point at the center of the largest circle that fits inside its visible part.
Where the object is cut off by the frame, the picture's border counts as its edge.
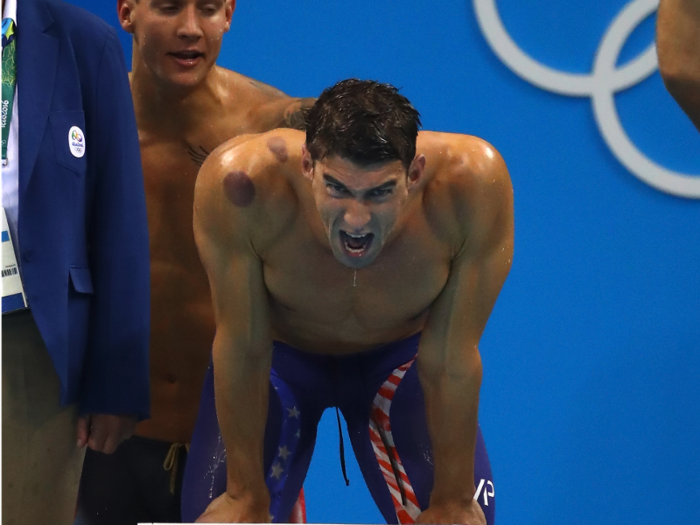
(116, 370)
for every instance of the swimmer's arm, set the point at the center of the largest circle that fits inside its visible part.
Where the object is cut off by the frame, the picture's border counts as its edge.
(449, 363)
(278, 109)
(289, 112)
(678, 47)
(294, 113)
(242, 349)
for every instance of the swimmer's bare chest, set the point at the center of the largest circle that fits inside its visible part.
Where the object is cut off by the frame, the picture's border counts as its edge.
(321, 306)
(171, 164)
(170, 175)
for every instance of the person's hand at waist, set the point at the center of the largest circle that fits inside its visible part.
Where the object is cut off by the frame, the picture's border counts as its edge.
(104, 432)
(226, 509)
(469, 513)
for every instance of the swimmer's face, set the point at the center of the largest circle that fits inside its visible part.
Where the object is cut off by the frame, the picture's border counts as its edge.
(360, 206)
(178, 41)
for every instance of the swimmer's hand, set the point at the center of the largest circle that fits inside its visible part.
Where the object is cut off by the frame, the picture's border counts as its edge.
(225, 509)
(104, 432)
(470, 514)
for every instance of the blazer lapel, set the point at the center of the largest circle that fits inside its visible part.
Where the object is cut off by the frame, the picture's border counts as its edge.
(37, 59)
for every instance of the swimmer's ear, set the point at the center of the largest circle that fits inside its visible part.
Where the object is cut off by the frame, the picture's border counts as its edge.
(124, 12)
(229, 8)
(307, 163)
(415, 171)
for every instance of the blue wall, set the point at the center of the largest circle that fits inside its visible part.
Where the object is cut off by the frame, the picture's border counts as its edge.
(591, 399)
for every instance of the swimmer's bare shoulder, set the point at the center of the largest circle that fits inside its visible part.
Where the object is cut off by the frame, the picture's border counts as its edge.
(468, 193)
(238, 185)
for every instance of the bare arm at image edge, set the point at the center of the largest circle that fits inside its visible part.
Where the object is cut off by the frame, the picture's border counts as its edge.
(678, 47)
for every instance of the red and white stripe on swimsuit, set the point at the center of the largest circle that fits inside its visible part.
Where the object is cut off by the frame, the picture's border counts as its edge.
(405, 501)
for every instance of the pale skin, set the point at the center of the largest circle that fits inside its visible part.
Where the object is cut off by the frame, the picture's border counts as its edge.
(185, 107)
(268, 226)
(678, 47)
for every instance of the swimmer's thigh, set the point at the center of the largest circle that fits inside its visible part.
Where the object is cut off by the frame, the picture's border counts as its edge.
(205, 475)
(303, 388)
(402, 487)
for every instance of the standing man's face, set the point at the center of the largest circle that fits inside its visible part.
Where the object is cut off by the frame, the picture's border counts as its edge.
(178, 40)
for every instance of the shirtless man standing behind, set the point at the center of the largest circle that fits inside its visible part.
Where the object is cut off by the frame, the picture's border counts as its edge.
(336, 260)
(185, 107)
(678, 46)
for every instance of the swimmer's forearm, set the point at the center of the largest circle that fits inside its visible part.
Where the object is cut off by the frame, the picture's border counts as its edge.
(294, 114)
(451, 393)
(242, 389)
(678, 47)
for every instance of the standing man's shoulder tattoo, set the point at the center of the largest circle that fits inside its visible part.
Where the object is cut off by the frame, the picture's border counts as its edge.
(198, 154)
(265, 88)
(295, 114)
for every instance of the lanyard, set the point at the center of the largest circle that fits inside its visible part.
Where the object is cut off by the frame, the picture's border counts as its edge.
(9, 80)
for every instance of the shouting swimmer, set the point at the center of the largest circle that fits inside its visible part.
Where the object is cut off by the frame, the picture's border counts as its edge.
(360, 264)
(185, 107)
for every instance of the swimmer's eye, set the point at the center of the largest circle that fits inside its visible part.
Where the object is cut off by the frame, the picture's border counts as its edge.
(379, 193)
(210, 8)
(336, 188)
(168, 8)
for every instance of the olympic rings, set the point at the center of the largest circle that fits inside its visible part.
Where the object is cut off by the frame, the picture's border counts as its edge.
(600, 85)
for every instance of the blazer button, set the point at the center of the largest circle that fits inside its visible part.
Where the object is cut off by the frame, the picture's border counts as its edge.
(27, 255)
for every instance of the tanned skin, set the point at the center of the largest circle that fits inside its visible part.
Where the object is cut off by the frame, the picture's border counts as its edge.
(185, 107)
(267, 221)
(678, 47)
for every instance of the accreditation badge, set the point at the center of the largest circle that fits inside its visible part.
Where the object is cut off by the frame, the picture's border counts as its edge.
(13, 297)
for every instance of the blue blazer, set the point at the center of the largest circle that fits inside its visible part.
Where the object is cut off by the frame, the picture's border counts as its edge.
(82, 230)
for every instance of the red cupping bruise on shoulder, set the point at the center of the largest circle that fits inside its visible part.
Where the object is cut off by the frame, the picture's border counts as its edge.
(239, 189)
(278, 147)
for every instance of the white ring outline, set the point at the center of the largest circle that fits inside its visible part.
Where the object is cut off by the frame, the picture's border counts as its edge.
(600, 85)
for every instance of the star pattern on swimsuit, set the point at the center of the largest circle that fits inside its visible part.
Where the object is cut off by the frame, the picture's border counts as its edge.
(293, 412)
(284, 452)
(276, 471)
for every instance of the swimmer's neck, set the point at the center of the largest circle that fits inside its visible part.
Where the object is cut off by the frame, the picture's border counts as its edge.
(161, 105)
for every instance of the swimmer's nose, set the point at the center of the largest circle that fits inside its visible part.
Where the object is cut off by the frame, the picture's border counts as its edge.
(357, 216)
(189, 26)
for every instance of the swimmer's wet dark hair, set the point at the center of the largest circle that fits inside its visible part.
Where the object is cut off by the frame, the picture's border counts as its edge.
(363, 121)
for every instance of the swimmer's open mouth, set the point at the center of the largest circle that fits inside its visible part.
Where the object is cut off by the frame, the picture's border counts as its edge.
(356, 245)
(187, 55)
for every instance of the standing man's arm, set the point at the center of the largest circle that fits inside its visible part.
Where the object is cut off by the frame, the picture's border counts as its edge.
(449, 364)
(224, 212)
(283, 111)
(115, 387)
(293, 113)
(678, 47)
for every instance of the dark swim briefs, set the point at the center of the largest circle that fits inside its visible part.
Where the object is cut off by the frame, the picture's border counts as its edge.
(140, 482)
(380, 397)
